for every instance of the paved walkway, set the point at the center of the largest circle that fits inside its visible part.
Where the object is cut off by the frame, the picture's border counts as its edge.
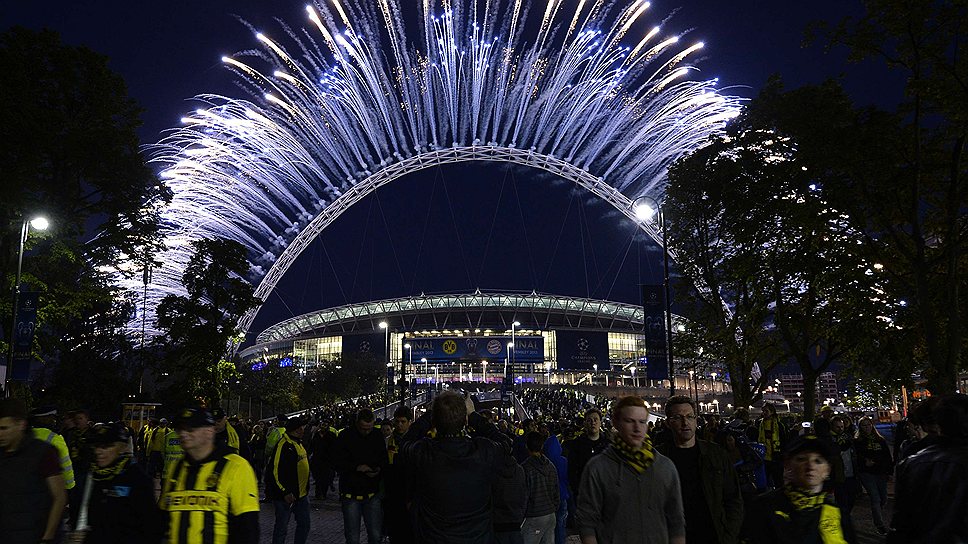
(327, 522)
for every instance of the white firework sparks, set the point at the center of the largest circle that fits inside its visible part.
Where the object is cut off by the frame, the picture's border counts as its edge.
(358, 98)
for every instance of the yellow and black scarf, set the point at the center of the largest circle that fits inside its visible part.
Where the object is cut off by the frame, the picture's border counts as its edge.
(109, 472)
(802, 500)
(639, 459)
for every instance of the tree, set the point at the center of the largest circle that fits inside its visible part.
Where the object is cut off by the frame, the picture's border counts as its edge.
(200, 328)
(708, 195)
(69, 151)
(791, 259)
(909, 196)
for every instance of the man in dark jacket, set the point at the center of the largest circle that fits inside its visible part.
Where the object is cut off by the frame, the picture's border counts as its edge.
(398, 526)
(360, 455)
(32, 492)
(932, 485)
(543, 496)
(711, 495)
(287, 484)
(321, 457)
(580, 450)
(456, 473)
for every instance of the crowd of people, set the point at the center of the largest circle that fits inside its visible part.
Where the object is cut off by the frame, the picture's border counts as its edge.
(606, 469)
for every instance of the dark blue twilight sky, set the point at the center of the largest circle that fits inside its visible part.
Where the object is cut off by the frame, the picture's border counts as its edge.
(460, 227)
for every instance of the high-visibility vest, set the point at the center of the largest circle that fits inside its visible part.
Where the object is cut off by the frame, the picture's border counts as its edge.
(56, 440)
(173, 451)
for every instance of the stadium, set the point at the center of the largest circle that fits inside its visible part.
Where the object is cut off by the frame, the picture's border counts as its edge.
(545, 339)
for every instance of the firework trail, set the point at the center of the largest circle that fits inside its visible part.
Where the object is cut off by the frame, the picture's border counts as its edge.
(358, 97)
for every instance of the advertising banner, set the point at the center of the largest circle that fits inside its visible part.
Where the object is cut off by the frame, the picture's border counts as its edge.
(374, 344)
(23, 340)
(653, 304)
(477, 348)
(580, 350)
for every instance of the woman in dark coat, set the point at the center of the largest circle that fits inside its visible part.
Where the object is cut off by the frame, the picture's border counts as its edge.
(120, 505)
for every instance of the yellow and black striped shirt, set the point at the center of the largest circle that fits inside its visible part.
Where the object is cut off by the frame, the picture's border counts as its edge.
(201, 497)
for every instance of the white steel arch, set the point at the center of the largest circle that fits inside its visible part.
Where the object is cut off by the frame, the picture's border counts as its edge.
(595, 185)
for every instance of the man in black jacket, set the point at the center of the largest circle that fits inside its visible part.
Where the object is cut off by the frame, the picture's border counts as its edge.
(287, 484)
(932, 485)
(711, 495)
(456, 472)
(579, 451)
(360, 455)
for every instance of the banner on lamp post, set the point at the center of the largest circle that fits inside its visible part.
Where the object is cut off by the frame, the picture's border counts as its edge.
(23, 337)
(656, 348)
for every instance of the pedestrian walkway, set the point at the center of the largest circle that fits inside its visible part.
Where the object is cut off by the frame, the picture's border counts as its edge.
(327, 522)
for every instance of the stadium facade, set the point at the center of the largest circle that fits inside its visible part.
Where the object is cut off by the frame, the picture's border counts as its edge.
(474, 337)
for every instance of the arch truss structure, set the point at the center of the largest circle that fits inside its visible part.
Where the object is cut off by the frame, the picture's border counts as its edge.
(463, 310)
(358, 97)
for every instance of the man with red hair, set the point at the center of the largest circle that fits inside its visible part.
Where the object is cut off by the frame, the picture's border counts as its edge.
(630, 492)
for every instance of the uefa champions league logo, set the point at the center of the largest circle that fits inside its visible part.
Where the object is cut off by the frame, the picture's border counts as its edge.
(582, 344)
(365, 346)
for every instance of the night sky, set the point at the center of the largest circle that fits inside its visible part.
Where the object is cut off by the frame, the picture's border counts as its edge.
(454, 228)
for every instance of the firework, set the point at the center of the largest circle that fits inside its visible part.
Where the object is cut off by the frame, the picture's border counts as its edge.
(357, 98)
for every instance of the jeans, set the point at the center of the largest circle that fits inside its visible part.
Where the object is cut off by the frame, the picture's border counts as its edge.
(539, 530)
(372, 515)
(300, 509)
(876, 487)
(561, 518)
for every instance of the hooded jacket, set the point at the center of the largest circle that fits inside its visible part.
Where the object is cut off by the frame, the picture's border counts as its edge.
(553, 451)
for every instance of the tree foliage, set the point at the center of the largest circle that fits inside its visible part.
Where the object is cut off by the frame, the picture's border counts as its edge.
(768, 247)
(69, 151)
(907, 193)
(199, 328)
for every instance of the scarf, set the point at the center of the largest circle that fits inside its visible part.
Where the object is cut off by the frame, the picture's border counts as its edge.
(802, 500)
(639, 459)
(769, 436)
(111, 471)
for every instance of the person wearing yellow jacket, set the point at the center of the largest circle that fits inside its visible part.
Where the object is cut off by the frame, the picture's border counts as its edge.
(42, 420)
(156, 448)
(287, 483)
(225, 433)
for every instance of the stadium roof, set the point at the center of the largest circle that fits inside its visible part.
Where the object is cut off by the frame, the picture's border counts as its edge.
(462, 311)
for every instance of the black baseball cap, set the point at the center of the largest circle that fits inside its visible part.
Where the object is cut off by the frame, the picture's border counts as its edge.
(109, 433)
(193, 418)
(810, 443)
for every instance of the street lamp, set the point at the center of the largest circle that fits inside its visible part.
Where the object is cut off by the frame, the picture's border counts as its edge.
(426, 368)
(595, 375)
(403, 374)
(484, 370)
(511, 354)
(386, 346)
(38, 223)
(635, 382)
(648, 210)
(714, 382)
(508, 361)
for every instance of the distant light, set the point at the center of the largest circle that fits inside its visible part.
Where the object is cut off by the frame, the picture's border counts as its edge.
(39, 223)
(516, 324)
(383, 325)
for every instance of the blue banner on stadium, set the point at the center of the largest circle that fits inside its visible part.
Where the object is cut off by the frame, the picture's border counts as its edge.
(23, 341)
(477, 348)
(374, 344)
(657, 353)
(579, 350)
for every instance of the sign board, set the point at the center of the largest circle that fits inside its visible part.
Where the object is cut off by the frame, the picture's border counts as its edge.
(581, 350)
(476, 348)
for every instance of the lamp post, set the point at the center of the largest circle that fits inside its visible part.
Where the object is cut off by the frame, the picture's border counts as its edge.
(635, 382)
(507, 361)
(647, 210)
(403, 373)
(436, 377)
(426, 369)
(38, 223)
(386, 346)
(484, 370)
(714, 382)
(511, 354)
(595, 375)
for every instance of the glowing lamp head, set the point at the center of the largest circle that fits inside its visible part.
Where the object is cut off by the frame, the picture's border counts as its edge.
(516, 324)
(39, 223)
(645, 212)
(383, 325)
